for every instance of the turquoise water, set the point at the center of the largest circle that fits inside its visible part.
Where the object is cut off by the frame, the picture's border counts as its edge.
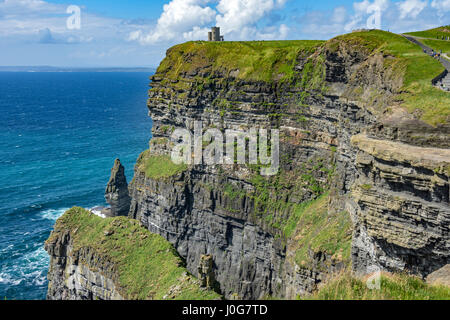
(59, 136)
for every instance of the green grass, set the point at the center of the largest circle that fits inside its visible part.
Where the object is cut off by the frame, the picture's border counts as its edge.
(158, 166)
(314, 228)
(392, 287)
(146, 265)
(252, 60)
(432, 33)
(437, 45)
(434, 38)
(415, 67)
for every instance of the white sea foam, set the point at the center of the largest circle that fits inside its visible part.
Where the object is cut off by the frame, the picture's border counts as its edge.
(6, 278)
(53, 214)
(97, 210)
(29, 268)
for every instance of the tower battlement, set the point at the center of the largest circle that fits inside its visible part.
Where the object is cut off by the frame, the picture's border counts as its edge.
(214, 34)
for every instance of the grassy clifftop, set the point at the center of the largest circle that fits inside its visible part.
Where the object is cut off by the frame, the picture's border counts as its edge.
(438, 45)
(147, 265)
(252, 60)
(435, 38)
(416, 66)
(434, 33)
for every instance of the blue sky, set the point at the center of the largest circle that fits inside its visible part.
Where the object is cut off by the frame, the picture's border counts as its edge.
(138, 32)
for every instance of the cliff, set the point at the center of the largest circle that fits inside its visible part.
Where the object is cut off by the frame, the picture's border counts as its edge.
(364, 163)
(321, 96)
(114, 259)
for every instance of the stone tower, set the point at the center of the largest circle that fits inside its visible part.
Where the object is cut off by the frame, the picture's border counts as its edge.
(214, 34)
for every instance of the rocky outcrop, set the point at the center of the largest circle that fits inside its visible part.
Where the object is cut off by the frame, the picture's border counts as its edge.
(80, 275)
(116, 193)
(100, 259)
(206, 272)
(401, 206)
(216, 210)
(362, 181)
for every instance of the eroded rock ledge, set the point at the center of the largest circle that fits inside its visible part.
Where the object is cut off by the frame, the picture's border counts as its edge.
(401, 210)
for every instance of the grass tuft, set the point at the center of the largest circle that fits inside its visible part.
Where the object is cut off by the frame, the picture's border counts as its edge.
(159, 166)
(392, 287)
(436, 33)
(313, 228)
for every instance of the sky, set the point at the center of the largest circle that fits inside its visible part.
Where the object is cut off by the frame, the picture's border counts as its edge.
(137, 33)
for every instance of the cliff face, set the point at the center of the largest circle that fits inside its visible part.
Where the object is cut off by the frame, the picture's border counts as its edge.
(115, 259)
(338, 113)
(80, 275)
(401, 206)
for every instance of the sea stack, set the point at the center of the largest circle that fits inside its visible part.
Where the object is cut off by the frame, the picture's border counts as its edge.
(116, 193)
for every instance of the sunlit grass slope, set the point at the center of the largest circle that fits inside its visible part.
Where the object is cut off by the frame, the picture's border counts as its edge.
(391, 287)
(436, 33)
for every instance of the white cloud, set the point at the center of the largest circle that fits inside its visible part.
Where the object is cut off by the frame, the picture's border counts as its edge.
(196, 33)
(179, 18)
(339, 15)
(46, 23)
(237, 14)
(26, 7)
(191, 20)
(321, 23)
(22, 17)
(273, 33)
(441, 5)
(363, 10)
(411, 8)
(395, 16)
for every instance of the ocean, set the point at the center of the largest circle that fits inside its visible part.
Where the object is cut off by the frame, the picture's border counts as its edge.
(59, 136)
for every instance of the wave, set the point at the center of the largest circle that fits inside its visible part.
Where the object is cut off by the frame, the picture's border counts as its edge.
(53, 214)
(24, 264)
(30, 269)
